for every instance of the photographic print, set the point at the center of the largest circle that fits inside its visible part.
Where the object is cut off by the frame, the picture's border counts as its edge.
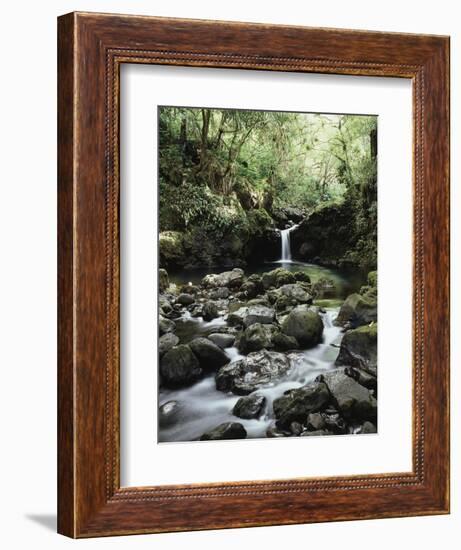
(267, 279)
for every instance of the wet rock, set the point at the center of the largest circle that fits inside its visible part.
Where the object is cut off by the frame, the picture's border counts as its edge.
(324, 288)
(220, 293)
(367, 428)
(296, 428)
(168, 413)
(283, 342)
(164, 305)
(231, 279)
(249, 315)
(185, 299)
(165, 325)
(228, 430)
(210, 311)
(315, 421)
(352, 400)
(166, 342)
(273, 431)
(296, 293)
(296, 404)
(163, 280)
(359, 349)
(222, 340)
(250, 406)
(305, 325)
(179, 367)
(210, 356)
(316, 432)
(257, 370)
(196, 310)
(357, 310)
(249, 289)
(277, 277)
(334, 423)
(302, 276)
(257, 337)
(363, 378)
(189, 289)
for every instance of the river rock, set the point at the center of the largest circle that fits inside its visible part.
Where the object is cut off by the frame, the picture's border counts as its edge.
(363, 377)
(168, 413)
(165, 325)
(302, 276)
(220, 293)
(228, 430)
(249, 289)
(163, 280)
(164, 305)
(210, 311)
(277, 277)
(352, 400)
(250, 406)
(249, 315)
(185, 299)
(296, 404)
(273, 431)
(166, 342)
(283, 342)
(222, 340)
(359, 349)
(189, 289)
(324, 288)
(305, 325)
(296, 293)
(231, 279)
(179, 367)
(257, 370)
(256, 337)
(356, 311)
(315, 421)
(316, 432)
(209, 355)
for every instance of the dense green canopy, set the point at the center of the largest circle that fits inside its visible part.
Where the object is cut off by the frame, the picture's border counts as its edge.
(219, 169)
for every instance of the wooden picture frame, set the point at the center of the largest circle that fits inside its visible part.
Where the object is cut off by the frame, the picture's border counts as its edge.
(92, 48)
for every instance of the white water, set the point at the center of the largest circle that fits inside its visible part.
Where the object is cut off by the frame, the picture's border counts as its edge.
(202, 407)
(286, 245)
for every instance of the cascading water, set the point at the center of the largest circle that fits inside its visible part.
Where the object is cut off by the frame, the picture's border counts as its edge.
(286, 245)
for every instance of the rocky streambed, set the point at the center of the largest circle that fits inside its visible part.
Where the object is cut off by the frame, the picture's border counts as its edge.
(279, 353)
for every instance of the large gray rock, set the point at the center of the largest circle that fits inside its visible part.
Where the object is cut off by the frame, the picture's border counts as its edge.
(283, 342)
(296, 293)
(249, 315)
(179, 367)
(277, 277)
(256, 337)
(185, 299)
(357, 310)
(165, 325)
(210, 311)
(222, 340)
(359, 348)
(305, 325)
(210, 356)
(257, 370)
(166, 342)
(168, 413)
(250, 406)
(228, 430)
(296, 404)
(354, 402)
(231, 279)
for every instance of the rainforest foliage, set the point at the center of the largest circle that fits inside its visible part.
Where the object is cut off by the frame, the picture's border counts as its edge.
(228, 178)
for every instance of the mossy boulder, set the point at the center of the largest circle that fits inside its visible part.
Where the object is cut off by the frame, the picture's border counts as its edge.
(179, 367)
(163, 280)
(359, 348)
(277, 277)
(358, 310)
(305, 325)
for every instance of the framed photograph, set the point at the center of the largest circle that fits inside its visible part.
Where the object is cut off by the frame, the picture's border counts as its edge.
(238, 204)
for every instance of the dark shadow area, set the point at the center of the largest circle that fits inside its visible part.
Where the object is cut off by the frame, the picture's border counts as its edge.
(48, 521)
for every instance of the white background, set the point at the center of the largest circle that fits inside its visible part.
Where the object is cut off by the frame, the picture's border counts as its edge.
(28, 272)
(143, 461)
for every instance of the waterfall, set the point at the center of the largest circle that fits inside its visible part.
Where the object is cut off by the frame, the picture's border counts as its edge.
(286, 246)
